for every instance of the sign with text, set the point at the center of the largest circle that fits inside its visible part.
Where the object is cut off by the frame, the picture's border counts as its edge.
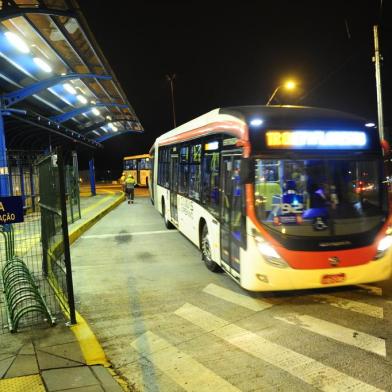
(316, 139)
(11, 209)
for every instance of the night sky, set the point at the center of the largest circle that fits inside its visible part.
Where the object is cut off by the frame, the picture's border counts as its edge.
(226, 54)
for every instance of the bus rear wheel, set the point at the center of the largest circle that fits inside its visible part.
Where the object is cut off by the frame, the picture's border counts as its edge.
(206, 252)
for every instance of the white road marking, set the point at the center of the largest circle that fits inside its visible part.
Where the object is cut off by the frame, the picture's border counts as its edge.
(337, 332)
(371, 289)
(347, 304)
(179, 366)
(236, 298)
(128, 234)
(304, 368)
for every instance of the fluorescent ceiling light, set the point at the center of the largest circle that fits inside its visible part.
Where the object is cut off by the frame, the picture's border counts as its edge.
(42, 64)
(370, 125)
(72, 25)
(81, 99)
(68, 87)
(96, 111)
(17, 42)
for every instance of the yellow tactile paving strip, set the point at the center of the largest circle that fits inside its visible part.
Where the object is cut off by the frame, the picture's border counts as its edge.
(22, 384)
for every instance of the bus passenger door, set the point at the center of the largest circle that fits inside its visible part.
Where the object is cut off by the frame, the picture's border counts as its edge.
(174, 186)
(232, 234)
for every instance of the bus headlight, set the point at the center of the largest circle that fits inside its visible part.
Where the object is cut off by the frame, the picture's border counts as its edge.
(383, 246)
(270, 255)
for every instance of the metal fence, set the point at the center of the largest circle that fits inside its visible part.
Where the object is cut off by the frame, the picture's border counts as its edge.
(72, 189)
(35, 273)
(23, 177)
(56, 260)
(23, 286)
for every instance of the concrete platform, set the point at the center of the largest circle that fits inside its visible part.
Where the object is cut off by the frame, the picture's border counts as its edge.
(62, 358)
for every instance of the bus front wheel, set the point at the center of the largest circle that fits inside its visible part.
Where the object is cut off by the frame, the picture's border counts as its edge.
(206, 252)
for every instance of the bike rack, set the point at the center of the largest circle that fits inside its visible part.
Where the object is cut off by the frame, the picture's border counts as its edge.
(22, 295)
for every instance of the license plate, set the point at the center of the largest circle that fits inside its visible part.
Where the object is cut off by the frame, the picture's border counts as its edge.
(331, 279)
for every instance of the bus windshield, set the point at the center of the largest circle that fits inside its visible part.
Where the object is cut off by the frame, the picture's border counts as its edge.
(319, 197)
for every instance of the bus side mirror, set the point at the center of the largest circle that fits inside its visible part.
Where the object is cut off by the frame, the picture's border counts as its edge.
(247, 171)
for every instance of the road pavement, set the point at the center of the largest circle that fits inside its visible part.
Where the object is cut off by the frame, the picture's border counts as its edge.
(166, 323)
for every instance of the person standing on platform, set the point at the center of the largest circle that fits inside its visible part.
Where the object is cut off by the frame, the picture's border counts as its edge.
(122, 181)
(129, 186)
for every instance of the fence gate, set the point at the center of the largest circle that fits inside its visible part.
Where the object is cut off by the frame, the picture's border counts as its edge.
(56, 259)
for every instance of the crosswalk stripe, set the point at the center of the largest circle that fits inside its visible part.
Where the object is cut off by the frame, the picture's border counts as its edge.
(306, 369)
(236, 298)
(347, 304)
(179, 366)
(337, 332)
(371, 289)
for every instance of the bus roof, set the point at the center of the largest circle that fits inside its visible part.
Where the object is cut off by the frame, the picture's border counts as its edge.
(301, 115)
(137, 156)
(276, 116)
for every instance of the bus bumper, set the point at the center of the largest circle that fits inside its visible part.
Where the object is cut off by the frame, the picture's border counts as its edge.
(265, 277)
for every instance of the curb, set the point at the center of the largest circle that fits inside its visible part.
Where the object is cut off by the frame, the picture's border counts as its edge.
(91, 348)
(87, 225)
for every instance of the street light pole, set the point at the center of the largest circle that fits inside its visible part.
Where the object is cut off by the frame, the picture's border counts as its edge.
(377, 58)
(170, 78)
(273, 95)
(289, 85)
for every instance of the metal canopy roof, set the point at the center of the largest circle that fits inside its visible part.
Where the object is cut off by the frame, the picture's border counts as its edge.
(54, 79)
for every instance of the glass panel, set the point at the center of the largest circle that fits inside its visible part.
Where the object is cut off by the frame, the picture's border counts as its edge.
(196, 153)
(236, 208)
(319, 197)
(183, 180)
(194, 182)
(210, 186)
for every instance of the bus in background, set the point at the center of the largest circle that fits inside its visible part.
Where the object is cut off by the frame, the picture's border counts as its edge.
(279, 197)
(139, 167)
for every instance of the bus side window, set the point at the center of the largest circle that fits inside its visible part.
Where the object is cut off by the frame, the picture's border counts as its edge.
(160, 166)
(210, 182)
(167, 167)
(184, 171)
(163, 166)
(194, 172)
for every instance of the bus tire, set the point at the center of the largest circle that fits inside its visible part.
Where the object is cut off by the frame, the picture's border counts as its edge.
(205, 248)
(168, 224)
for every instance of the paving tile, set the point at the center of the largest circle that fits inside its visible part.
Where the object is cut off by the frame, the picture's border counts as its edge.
(5, 364)
(59, 334)
(27, 349)
(69, 351)
(9, 344)
(22, 384)
(5, 356)
(92, 388)
(23, 365)
(50, 361)
(64, 379)
(108, 382)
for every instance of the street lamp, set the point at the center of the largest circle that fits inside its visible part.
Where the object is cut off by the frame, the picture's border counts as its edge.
(289, 85)
(170, 78)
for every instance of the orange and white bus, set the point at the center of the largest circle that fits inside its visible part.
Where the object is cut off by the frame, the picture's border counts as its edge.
(279, 197)
(139, 167)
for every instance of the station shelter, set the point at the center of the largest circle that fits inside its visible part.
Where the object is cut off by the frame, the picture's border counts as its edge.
(58, 97)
